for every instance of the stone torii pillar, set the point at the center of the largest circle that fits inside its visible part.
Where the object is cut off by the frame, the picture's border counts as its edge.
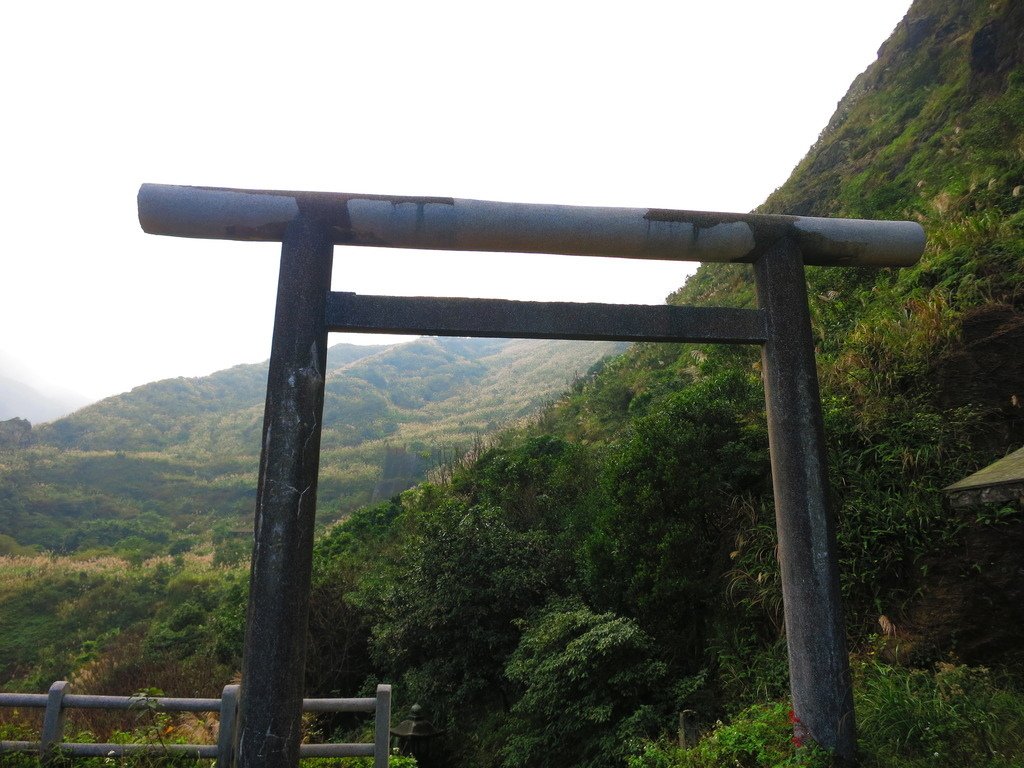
(310, 224)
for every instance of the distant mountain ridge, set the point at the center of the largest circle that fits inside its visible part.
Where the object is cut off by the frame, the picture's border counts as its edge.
(163, 413)
(165, 461)
(21, 400)
(369, 390)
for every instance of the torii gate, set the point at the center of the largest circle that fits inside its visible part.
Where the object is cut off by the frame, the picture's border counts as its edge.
(310, 224)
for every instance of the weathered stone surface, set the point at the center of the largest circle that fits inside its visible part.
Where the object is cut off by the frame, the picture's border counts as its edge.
(971, 602)
(986, 370)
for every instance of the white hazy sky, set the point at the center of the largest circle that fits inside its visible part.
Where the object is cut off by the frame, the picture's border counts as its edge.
(704, 106)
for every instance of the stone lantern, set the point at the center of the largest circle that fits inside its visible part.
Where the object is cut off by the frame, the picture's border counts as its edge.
(416, 737)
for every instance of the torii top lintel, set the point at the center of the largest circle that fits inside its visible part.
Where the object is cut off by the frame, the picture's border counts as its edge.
(445, 223)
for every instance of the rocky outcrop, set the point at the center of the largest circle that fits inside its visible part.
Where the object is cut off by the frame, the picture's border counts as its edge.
(998, 48)
(15, 433)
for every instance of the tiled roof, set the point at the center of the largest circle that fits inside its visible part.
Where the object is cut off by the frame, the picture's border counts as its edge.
(1009, 469)
(998, 483)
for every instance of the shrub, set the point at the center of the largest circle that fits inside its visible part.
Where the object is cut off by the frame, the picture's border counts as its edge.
(759, 737)
(589, 681)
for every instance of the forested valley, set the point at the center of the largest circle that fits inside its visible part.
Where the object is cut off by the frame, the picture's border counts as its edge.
(556, 593)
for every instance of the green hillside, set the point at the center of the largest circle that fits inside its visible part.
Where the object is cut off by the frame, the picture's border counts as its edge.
(168, 465)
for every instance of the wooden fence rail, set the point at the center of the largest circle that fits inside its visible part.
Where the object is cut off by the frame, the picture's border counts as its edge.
(58, 700)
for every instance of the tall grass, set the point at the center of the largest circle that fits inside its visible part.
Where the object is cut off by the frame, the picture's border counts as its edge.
(954, 716)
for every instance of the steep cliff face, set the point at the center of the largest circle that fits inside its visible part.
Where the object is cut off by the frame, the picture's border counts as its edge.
(934, 118)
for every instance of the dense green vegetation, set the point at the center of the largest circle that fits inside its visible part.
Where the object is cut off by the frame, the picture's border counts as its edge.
(559, 595)
(172, 623)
